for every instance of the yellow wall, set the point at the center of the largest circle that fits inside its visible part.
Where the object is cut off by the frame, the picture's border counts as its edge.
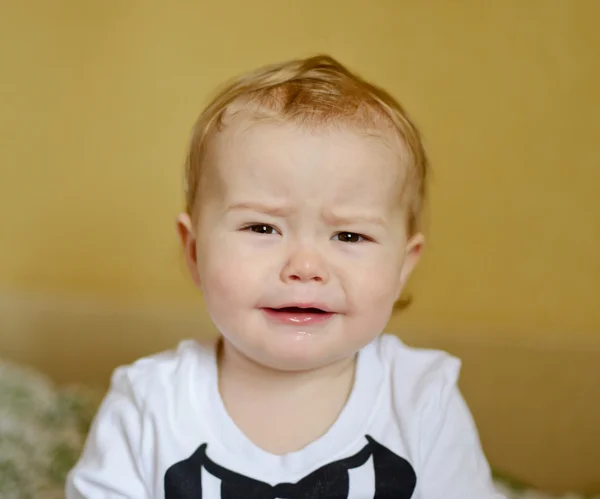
(96, 103)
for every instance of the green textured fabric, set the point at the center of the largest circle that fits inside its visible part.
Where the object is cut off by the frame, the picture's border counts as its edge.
(43, 428)
(42, 431)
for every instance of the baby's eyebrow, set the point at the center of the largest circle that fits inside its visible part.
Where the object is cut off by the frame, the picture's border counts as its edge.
(333, 219)
(273, 210)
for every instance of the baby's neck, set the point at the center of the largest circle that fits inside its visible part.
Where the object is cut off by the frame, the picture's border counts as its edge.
(302, 406)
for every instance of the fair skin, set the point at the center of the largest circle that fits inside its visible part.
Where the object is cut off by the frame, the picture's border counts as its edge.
(300, 249)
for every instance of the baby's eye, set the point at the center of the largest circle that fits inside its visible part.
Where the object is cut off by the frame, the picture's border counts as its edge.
(261, 229)
(350, 237)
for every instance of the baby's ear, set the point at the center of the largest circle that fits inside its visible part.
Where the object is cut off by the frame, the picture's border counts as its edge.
(412, 255)
(187, 236)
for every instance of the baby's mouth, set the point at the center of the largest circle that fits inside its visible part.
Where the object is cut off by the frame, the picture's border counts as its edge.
(298, 315)
(299, 310)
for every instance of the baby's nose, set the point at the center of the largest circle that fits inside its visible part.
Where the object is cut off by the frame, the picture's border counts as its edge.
(305, 265)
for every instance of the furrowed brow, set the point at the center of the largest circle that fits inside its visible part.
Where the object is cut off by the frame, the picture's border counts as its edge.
(333, 219)
(267, 209)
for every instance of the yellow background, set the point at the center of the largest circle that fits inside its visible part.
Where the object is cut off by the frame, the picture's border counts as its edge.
(97, 100)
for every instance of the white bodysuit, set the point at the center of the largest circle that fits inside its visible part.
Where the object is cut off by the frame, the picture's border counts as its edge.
(163, 432)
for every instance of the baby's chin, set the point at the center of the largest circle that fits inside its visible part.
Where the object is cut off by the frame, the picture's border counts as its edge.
(295, 364)
(295, 348)
(296, 353)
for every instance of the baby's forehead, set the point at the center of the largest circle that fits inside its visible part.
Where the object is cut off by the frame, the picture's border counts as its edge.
(272, 149)
(252, 137)
(296, 165)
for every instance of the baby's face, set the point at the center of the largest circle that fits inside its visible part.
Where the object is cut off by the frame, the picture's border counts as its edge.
(301, 242)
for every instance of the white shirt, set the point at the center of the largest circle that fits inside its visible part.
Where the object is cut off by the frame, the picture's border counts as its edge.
(163, 432)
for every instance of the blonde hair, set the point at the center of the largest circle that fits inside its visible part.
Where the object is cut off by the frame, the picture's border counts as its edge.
(312, 92)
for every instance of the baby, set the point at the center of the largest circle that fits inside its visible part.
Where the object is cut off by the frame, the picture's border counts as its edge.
(304, 188)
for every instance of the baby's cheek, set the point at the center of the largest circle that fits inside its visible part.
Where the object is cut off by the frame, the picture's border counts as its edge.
(235, 277)
(226, 281)
(375, 284)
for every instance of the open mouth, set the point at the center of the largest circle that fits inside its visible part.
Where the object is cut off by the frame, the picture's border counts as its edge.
(298, 315)
(299, 310)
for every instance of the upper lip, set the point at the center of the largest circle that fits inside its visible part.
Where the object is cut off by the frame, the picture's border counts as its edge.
(307, 305)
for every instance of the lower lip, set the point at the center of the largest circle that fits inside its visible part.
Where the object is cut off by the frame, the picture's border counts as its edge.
(297, 318)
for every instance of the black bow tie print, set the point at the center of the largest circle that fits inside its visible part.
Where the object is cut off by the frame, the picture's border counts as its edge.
(394, 478)
(330, 481)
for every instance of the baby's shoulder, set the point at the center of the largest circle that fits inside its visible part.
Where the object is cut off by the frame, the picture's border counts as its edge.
(417, 374)
(163, 374)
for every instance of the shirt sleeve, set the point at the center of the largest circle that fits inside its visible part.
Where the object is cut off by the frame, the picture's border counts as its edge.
(109, 466)
(454, 465)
